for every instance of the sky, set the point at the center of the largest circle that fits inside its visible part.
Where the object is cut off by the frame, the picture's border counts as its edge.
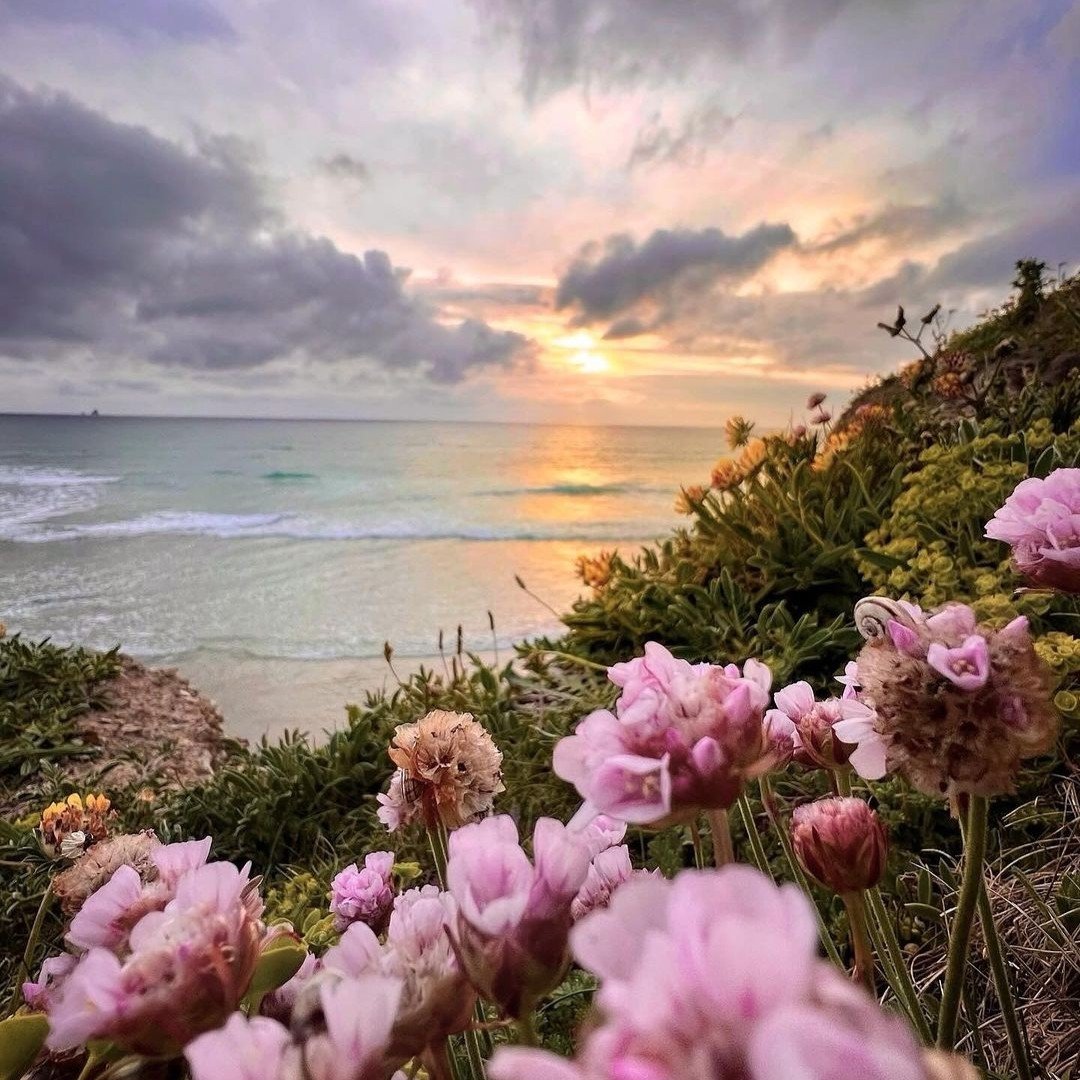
(579, 211)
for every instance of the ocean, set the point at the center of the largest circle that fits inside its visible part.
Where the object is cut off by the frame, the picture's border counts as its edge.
(269, 560)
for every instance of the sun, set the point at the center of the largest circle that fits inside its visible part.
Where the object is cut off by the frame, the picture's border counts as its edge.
(590, 363)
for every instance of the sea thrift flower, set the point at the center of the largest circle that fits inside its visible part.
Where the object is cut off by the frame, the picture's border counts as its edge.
(682, 738)
(957, 705)
(365, 895)
(189, 967)
(436, 999)
(514, 915)
(812, 725)
(715, 976)
(726, 474)
(688, 500)
(841, 843)
(815, 400)
(39, 992)
(111, 911)
(1041, 522)
(448, 765)
(737, 429)
(595, 570)
(347, 1039)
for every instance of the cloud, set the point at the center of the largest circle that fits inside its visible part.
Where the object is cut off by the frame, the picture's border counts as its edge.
(116, 242)
(344, 166)
(622, 42)
(175, 20)
(607, 281)
(898, 223)
(685, 143)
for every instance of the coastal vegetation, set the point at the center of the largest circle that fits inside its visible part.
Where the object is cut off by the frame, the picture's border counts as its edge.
(792, 529)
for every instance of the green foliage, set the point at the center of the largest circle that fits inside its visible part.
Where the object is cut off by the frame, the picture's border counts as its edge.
(42, 689)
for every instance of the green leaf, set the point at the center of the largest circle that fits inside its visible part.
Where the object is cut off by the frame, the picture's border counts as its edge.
(279, 962)
(21, 1039)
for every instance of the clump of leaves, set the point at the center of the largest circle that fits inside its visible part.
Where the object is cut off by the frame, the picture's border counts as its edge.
(43, 688)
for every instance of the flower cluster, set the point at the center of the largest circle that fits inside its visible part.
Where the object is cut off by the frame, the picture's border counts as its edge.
(715, 976)
(160, 961)
(364, 895)
(957, 705)
(514, 915)
(1041, 522)
(840, 842)
(449, 772)
(68, 828)
(595, 570)
(682, 738)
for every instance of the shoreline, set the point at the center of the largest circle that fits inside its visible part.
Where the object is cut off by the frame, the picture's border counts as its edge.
(259, 696)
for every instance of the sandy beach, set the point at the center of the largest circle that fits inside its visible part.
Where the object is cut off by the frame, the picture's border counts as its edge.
(259, 697)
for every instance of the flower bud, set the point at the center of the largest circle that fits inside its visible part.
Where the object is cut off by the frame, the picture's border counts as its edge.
(841, 843)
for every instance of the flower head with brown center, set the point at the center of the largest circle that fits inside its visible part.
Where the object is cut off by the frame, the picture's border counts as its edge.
(450, 768)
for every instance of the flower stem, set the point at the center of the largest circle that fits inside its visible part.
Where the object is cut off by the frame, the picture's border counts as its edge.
(860, 939)
(768, 800)
(723, 849)
(699, 851)
(1013, 1029)
(32, 941)
(842, 780)
(476, 1060)
(527, 1030)
(889, 948)
(960, 938)
(437, 839)
(757, 850)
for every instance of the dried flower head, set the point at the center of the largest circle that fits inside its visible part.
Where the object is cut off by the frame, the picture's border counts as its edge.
(949, 386)
(449, 768)
(1041, 522)
(840, 842)
(726, 474)
(737, 430)
(595, 570)
(688, 500)
(98, 865)
(814, 400)
(958, 705)
(69, 827)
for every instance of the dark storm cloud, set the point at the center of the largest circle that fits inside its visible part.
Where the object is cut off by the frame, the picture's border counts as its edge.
(343, 166)
(565, 42)
(606, 281)
(115, 241)
(175, 20)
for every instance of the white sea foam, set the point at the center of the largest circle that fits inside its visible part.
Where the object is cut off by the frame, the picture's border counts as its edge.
(29, 477)
(299, 527)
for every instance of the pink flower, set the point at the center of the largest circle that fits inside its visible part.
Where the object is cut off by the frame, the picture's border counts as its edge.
(513, 915)
(189, 966)
(38, 993)
(840, 842)
(436, 999)
(279, 1003)
(817, 728)
(1041, 522)
(682, 737)
(347, 1039)
(108, 914)
(244, 1049)
(364, 895)
(967, 666)
(608, 871)
(715, 975)
(395, 811)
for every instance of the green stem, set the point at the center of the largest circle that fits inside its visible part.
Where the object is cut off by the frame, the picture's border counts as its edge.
(437, 840)
(699, 850)
(723, 849)
(572, 658)
(889, 949)
(960, 938)
(768, 800)
(842, 778)
(996, 955)
(860, 940)
(32, 941)
(476, 1059)
(757, 849)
